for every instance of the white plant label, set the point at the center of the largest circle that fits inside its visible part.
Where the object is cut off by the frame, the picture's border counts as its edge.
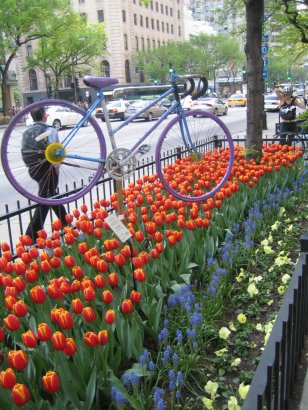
(118, 227)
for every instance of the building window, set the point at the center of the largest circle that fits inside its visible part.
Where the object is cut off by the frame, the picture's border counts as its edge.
(29, 51)
(33, 80)
(167, 27)
(179, 15)
(137, 43)
(147, 22)
(81, 1)
(142, 43)
(171, 28)
(153, 43)
(124, 16)
(105, 69)
(171, 12)
(135, 19)
(141, 21)
(148, 43)
(162, 26)
(100, 16)
(180, 31)
(156, 6)
(157, 25)
(167, 10)
(162, 9)
(127, 72)
(134, 1)
(158, 43)
(151, 5)
(125, 42)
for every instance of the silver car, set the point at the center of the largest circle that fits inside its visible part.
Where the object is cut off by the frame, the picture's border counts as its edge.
(210, 104)
(151, 113)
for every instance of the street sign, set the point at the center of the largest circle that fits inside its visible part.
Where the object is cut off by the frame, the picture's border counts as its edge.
(264, 49)
(265, 73)
(265, 38)
(265, 61)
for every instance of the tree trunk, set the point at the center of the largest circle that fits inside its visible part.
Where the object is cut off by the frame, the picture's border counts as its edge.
(6, 98)
(255, 83)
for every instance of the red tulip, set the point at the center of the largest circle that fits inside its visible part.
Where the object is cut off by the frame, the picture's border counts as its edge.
(20, 394)
(2, 334)
(113, 279)
(77, 272)
(110, 316)
(17, 359)
(90, 339)
(88, 314)
(89, 294)
(58, 340)
(65, 320)
(77, 306)
(69, 261)
(11, 322)
(107, 296)
(7, 378)
(44, 332)
(19, 283)
(31, 275)
(20, 308)
(127, 306)
(101, 266)
(139, 275)
(135, 296)
(56, 225)
(51, 382)
(100, 281)
(37, 294)
(29, 339)
(70, 347)
(103, 337)
(120, 259)
(45, 266)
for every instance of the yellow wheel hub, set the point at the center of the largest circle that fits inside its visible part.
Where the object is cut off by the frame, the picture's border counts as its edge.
(55, 153)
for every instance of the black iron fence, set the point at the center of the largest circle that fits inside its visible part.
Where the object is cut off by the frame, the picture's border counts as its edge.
(274, 379)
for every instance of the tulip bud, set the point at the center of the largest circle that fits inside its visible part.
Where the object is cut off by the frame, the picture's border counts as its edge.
(110, 316)
(51, 382)
(127, 306)
(88, 314)
(90, 339)
(20, 394)
(135, 296)
(11, 322)
(44, 332)
(29, 339)
(103, 337)
(107, 296)
(58, 340)
(17, 359)
(70, 347)
(7, 378)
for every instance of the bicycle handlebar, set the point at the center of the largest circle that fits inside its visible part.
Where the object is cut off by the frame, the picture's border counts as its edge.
(191, 88)
(204, 84)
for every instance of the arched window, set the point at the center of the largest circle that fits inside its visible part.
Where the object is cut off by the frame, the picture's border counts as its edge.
(105, 69)
(127, 72)
(33, 80)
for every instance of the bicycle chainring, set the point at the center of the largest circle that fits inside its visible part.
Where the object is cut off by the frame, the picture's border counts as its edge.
(120, 172)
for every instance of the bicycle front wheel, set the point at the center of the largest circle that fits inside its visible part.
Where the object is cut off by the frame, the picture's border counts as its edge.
(194, 167)
(79, 166)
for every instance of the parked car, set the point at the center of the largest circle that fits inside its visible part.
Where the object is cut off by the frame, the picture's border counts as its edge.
(116, 109)
(237, 100)
(213, 105)
(187, 103)
(59, 117)
(155, 111)
(300, 92)
(271, 102)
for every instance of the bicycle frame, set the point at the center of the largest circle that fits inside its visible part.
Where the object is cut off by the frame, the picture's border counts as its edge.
(175, 107)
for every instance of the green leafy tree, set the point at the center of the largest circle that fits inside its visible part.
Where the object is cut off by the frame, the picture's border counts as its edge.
(22, 21)
(69, 50)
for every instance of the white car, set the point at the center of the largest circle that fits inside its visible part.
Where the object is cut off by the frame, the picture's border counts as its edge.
(59, 117)
(116, 109)
(210, 104)
(271, 103)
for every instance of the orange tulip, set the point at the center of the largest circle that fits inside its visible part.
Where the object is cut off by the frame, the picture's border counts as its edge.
(20, 394)
(51, 382)
(29, 339)
(17, 359)
(7, 378)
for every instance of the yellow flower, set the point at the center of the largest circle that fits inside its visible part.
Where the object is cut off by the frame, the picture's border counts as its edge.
(270, 302)
(281, 211)
(270, 239)
(243, 390)
(259, 326)
(240, 275)
(268, 250)
(289, 228)
(236, 362)
(241, 318)
(211, 388)
(286, 277)
(208, 403)
(233, 403)
(282, 260)
(264, 242)
(281, 289)
(275, 226)
(232, 326)
(252, 290)
(224, 333)
(220, 352)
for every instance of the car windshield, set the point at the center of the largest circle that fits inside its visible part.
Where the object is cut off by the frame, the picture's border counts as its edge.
(114, 104)
(271, 98)
(139, 104)
(237, 96)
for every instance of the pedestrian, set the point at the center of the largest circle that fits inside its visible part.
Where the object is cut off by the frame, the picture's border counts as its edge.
(40, 170)
(287, 111)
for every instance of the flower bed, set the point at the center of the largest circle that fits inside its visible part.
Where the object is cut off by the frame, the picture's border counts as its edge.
(87, 320)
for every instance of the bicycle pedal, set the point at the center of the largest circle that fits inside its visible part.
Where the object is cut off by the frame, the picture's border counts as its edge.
(143, 149)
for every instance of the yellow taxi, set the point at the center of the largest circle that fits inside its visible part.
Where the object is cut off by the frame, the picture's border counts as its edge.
(237, 100)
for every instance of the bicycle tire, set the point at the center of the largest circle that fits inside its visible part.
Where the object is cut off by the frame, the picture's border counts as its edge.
(208, 133)
(76, 176)
(296, 141)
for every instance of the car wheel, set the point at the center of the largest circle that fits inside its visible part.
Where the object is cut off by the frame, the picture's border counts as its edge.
(57, 124)
(215, 112)
(149, 117)
(226, 111)
(103, 119)
(122, 117)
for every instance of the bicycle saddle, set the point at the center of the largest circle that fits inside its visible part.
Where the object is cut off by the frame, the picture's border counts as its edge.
(99, 82)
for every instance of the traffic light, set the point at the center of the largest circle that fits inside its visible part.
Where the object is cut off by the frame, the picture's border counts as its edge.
(77, 83)
(244, 74)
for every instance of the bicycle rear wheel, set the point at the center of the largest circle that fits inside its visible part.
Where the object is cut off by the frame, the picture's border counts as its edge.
(78, 174)
(195, 169)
